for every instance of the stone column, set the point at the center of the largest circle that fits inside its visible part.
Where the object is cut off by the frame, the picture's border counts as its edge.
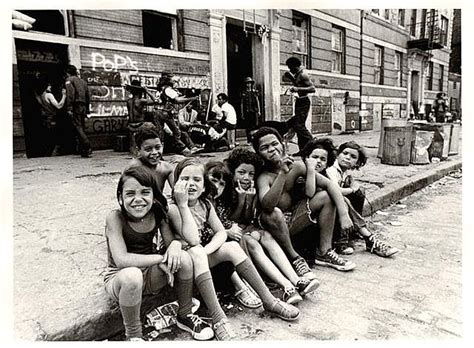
(218, 53)
(272, 75)
(74, 53)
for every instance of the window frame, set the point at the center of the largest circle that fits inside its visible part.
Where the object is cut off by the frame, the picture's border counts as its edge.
(414, 14)
(441, 78)
(399, 57)
(339, 53)
(402, 24)
(429, 77)
(379, 69)
(305, 57)
(443, 30)
(174, 28)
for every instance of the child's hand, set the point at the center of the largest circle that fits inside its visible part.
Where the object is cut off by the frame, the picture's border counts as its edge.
(286, 164)
(241, 193)
(181, 192)
(173, 256)
(346, 223)
(165, 268)
(235, 232)
(251, 192)
(310, 162)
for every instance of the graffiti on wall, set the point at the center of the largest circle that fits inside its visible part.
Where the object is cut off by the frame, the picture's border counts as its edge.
(109, 75)
(106, 125)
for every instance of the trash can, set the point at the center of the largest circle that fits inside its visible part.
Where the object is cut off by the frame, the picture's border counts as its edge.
(440, 145)
(388, 122)
(454, 139)
(421, 141)
(397, 145)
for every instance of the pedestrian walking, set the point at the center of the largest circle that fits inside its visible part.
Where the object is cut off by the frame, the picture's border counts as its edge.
(302, 87)
(77, 105)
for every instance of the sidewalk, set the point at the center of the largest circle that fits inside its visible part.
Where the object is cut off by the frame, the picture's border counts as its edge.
(60, 204)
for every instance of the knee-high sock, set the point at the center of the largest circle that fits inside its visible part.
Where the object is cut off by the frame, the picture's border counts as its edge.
(206, 288)
(131, 320)
(184, 293)
(247, 270)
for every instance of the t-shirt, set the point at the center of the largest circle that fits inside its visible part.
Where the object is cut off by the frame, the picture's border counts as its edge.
(335, 174)
(229, 112)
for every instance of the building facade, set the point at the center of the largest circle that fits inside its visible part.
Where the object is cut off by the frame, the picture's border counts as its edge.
(365, 64)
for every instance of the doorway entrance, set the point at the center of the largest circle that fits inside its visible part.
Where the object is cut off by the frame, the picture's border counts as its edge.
(37, 62)
(415, 79)
(239, 64)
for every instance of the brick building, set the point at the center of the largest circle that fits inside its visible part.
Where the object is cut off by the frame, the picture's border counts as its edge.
(366, 64)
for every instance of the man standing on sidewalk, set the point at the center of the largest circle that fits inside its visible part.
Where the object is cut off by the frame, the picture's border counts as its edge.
(77, 106)
(302, 86)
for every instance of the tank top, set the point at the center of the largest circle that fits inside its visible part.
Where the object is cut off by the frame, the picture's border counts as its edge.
(139, 242)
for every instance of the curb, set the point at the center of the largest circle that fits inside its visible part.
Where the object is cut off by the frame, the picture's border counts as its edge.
(392, 193)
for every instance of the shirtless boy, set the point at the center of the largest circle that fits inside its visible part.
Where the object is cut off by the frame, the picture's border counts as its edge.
(285, 216)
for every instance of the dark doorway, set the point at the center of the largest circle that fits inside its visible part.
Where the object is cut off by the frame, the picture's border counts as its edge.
(37, 61)
(415, 81)
(47, 21)
(239, 63)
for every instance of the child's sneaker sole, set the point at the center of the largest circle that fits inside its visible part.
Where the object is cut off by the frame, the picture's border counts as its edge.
(313, 285)
(204, 335)
(343, 268)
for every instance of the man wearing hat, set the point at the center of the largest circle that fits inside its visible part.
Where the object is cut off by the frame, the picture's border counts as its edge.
(249, 107)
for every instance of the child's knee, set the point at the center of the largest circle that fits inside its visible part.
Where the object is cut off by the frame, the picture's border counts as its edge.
(186, 261)
(275, 217)
(198, 255)
(252, 244)
(131, 278)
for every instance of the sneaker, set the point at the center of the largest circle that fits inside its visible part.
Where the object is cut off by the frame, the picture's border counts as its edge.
(283, 310)
(199, 329)
(302, 269)
(135, 339)
(332, 259)
(223, 331)
(345, 250)
(305, 285)
(247, 298)
(186, 152)
(291, 296)
(373, 245)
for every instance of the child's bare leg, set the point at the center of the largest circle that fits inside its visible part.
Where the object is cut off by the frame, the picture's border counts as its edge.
(184, 285)
(278, 257)
(275, 222)
(322, 203)
(237, 281)
(265, 264)
(129, 286)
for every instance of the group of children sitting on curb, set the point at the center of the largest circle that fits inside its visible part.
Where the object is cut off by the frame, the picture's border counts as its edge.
(246, 210)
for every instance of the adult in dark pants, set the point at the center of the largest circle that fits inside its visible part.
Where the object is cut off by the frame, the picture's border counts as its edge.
(77, 106)
(249, 107)
(302, 86)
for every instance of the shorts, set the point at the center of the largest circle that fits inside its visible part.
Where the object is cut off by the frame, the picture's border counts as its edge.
(154, 279)
(228, 126)
(298, 218)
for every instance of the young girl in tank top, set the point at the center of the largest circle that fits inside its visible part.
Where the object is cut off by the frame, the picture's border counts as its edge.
(136, 266)
(193, 189)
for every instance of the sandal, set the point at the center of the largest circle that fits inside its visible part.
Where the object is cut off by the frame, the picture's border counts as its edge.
(247, 298)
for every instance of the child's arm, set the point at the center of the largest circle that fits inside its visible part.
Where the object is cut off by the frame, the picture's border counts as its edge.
(269, 195)
(335, 177)
(250, 204)
(310, 184)
(118, 249)
(181, 217)
(172, 255)
(336, 196)
(170, 177)
(220, 235)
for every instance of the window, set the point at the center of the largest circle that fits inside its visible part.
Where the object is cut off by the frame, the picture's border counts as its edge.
(338, 50)
(399, 67)
(413, 23)
(378, 65)
(429, 77)
(455, 84)
(375, 11)
(441, 77)
(300, 38)
(444, 31)
(401, 18)
(159, 30)
(386, 14)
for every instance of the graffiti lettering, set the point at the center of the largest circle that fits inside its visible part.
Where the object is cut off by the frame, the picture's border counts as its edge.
(109, 93)
(108, 125)
(184, 81)
(118, 62)
(109, 109)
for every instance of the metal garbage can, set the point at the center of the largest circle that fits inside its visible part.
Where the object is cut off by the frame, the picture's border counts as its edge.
(397, 145)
